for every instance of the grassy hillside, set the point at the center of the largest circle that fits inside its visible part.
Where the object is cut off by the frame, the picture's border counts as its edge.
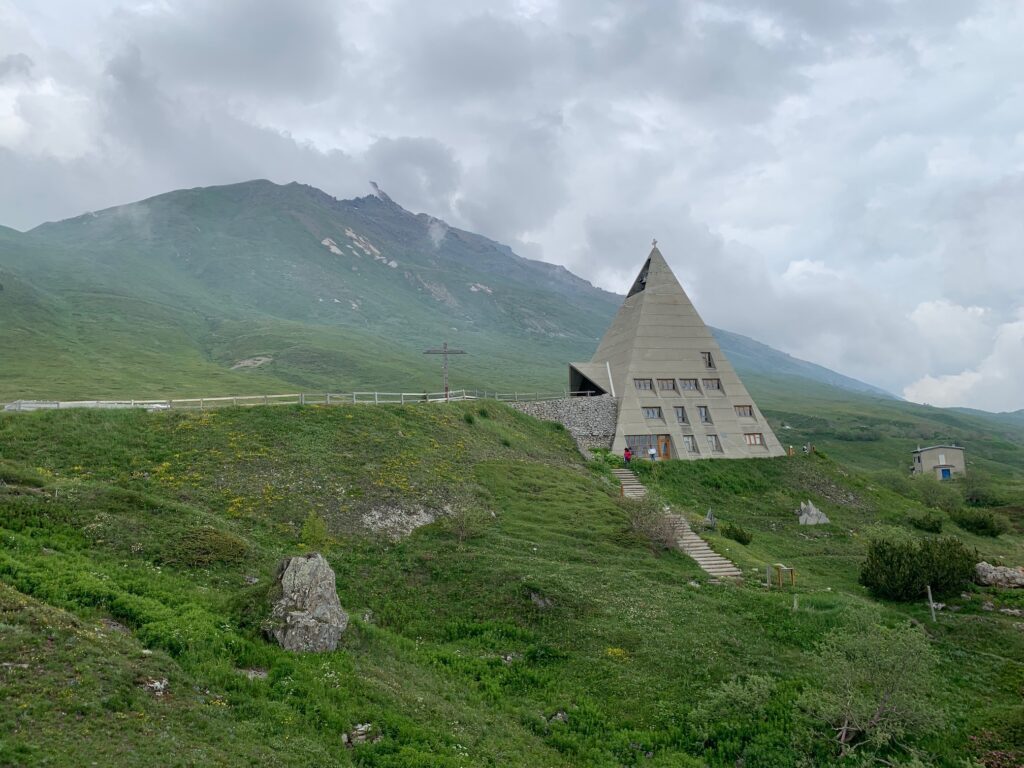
(873, 433)
(529, 625)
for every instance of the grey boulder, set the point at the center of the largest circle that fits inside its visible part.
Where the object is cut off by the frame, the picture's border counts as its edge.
(306, 616)
(999, 576)
(811, 515)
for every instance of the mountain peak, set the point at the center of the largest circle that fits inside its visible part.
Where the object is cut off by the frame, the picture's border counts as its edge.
(381, 193)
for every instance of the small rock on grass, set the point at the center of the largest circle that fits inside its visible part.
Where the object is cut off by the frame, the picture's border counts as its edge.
(362, 733)
(158, 686)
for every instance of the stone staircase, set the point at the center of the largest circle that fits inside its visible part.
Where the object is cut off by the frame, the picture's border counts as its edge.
(717, 566)
(690, 543)
(631, 487)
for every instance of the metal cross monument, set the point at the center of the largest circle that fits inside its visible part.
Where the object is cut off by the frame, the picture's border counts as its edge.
(444, 351)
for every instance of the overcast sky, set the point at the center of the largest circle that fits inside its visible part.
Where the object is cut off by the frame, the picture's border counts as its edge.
(843, 180)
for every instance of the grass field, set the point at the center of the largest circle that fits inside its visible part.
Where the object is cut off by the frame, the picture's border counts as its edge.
(530, 625)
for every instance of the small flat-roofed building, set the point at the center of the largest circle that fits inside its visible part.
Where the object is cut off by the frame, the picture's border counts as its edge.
(943, 461)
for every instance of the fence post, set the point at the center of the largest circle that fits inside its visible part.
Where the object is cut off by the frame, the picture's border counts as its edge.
(376, 398)
(328, 397)
(202, 403)
(302, 399)
(931, 603)
(353, 397)
(266, 400)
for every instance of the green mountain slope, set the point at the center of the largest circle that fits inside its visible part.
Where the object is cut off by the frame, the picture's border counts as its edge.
(530, 625)
(163, 297)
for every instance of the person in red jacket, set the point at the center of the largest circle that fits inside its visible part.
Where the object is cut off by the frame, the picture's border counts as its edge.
(627, 455)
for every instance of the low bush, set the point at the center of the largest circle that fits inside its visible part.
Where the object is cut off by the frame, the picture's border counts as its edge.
(648, 521)
(737, 533)
(979, 491)
(314, 531)
(929, 522)
(468, 418)
(935, 493)
(606, 458)
(466, 523)
(899, 568)
(874, 687)
(484, 413)
(981, 522)
(205, 546)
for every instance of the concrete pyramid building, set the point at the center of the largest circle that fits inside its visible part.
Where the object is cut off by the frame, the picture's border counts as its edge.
(675, 390)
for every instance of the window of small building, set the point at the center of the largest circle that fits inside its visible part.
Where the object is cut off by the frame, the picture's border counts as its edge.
(667, 385)
(713, 385)
(652, 413)
(644, 384)
(745, 411)
(690, 442)
(709, 359)
(689, 385)
(681, 415)
(753, 438)
(714, 444)
(704, 414)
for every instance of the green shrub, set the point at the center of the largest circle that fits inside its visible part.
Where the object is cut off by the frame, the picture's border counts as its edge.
(737, 533)
(981, 522)
(897, 482)
(314, 531)
(929, 522)
(468, 418)
(933, 492)
(606, 458)
(873, 689)
(466, 523)
(205, 546)
(506, 442)
(898, 568)
(978, 491)
(484, 413)
(648, 521)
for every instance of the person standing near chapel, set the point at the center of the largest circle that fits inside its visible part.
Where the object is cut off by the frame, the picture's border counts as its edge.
(652, 452)
(627, 455)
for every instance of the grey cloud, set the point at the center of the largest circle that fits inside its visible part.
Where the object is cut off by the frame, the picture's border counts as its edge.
(521, 186)
(425, 172)
(282, 49)
(15, 65)
(980, 250)
(481, 56)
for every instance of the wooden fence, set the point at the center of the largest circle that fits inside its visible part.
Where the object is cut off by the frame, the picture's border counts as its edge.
(320, 398)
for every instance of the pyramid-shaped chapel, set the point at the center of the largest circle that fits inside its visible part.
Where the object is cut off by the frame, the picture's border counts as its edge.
(676, 392)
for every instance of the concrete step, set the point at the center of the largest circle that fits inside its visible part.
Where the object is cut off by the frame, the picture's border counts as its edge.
(715, 565)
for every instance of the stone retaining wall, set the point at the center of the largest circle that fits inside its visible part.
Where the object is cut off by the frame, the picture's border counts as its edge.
(590, 420)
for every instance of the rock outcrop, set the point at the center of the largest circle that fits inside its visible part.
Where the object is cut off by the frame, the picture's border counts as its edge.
(999, 576)
(306, 616)
(811, 515)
